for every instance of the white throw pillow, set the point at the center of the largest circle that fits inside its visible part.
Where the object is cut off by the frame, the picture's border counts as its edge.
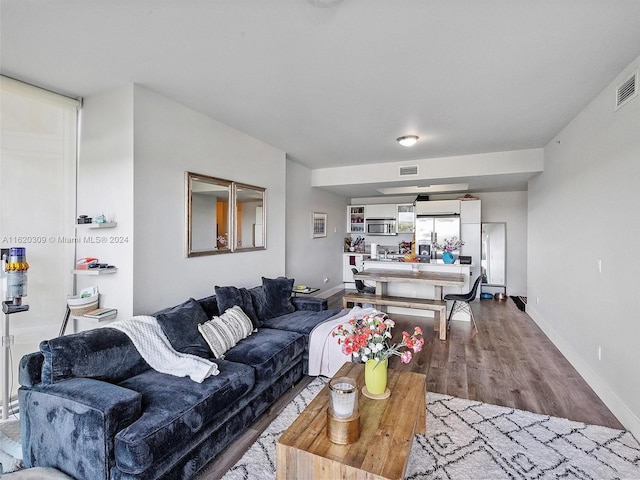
(224, 332)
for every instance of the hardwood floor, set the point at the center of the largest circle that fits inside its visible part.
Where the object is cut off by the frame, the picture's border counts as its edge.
(508, 362)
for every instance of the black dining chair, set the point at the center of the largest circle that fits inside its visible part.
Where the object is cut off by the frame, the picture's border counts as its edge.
(461, 302)
(360, 286)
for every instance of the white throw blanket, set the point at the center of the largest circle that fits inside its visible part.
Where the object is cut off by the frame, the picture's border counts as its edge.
(325, 354)
(153, 345)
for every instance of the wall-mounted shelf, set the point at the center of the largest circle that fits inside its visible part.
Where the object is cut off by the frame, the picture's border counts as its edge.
(101, 319)
(95, 271)
(97, 225)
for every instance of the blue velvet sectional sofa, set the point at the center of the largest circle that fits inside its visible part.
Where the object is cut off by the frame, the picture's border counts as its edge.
(91, 406)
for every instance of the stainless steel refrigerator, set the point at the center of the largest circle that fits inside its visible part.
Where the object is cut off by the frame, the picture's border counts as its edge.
(435, 229)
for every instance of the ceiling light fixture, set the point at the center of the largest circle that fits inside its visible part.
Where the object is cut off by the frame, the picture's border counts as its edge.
(407, 140)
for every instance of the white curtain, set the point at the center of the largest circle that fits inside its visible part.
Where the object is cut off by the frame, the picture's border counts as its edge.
(37, 206)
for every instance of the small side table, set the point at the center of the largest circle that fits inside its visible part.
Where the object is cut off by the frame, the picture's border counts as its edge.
(306, 291)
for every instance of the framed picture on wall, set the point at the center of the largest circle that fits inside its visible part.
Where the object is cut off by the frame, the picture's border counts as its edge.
(319, 224)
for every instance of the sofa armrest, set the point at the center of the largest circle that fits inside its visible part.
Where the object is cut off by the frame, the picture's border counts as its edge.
(30, 369)
(71, 425)
(314, 304)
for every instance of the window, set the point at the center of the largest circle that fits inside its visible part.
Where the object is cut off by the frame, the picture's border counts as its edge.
(37, 207)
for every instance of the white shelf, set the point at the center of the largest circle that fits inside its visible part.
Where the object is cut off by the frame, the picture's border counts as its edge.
(101, 319)
(95, 271)
(97, 225)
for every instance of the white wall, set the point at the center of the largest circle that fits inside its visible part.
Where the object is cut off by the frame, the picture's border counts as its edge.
(510, 207)
(584, 209)
(136, 147)
(105, 186)
(311, 260)
(169, 140)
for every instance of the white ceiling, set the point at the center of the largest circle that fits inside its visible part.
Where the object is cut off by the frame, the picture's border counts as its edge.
(335, 86)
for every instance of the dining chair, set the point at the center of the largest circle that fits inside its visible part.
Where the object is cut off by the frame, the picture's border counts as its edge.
(360, 286)
(461, 302)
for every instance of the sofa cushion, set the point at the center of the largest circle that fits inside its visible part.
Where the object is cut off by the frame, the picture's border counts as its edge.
(91, 354)
(259, 303)
(177, 414)
(301, 321)
(268, 351)
(228, 297)
(223, 332)
(210, 306)
(180, 325)
(275, 299)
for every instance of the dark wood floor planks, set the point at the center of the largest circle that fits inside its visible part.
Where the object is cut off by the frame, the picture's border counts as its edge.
(508, 362)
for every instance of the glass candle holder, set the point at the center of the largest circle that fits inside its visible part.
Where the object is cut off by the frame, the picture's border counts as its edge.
(343, 397)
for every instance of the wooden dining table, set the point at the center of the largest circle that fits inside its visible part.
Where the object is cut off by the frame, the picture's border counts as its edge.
(383, 276)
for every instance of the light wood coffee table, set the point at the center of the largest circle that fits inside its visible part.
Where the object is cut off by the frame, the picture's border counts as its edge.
(387, 428)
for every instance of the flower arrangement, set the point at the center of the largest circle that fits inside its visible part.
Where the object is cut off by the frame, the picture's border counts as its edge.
(449, 245)
(222, 240)
(368, 338)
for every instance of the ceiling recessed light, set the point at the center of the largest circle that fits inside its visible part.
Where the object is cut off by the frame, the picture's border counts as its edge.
(407, 140)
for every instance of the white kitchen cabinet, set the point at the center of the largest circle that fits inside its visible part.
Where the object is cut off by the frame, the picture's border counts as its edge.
(438, 207)
(405, 218)
(381, 210)
(470, 211)
(355, 219)
(349, 261)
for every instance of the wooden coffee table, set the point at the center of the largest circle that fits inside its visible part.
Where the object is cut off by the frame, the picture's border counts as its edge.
(387, 428)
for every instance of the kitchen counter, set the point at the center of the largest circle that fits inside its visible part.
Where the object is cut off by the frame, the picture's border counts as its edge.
(399, 261)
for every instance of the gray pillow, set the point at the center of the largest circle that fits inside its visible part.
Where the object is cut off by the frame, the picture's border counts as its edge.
(180, 325)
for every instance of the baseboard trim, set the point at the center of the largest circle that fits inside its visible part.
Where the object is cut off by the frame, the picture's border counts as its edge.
(622, 412)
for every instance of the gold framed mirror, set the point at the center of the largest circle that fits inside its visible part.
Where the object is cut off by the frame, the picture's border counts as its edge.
(223, 216)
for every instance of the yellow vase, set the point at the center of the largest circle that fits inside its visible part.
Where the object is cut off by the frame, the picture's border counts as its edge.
(375, 376)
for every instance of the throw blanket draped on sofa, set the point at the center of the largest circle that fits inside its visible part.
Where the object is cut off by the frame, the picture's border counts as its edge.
(325, 354)
(154, 346)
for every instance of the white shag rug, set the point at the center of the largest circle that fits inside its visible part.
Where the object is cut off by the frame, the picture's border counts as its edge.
(473, 440)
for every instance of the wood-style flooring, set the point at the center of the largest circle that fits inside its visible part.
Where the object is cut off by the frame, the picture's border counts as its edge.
(508, 362)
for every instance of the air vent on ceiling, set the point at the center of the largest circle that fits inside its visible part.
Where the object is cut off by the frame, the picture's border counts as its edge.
(412, 170)
(627, 90)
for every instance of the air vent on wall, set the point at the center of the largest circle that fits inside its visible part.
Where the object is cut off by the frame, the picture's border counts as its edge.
(627, 90)
(412, 170)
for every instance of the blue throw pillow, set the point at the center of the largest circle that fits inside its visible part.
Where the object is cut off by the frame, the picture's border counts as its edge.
(228, 297)
(277, 293)
(210, 306)
(180, 325)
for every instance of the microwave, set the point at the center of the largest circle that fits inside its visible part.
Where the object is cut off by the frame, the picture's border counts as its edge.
(381, 226)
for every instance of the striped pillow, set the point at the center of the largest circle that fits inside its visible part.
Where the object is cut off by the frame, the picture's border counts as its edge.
(224, 332)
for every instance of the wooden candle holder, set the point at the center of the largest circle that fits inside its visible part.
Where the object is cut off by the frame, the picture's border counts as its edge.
(343, 430)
